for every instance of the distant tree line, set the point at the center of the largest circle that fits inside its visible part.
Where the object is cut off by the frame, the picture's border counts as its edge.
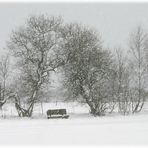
(106, 81)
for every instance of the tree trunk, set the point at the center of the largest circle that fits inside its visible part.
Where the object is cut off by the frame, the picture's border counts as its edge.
(26, 112)
(42, 107)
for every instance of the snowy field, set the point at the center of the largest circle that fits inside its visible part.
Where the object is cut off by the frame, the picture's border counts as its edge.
(79, 129)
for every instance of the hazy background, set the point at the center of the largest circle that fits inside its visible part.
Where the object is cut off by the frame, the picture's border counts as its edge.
(114, 21)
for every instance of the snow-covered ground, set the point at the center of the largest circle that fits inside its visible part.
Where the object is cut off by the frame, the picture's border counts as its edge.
(80, 129)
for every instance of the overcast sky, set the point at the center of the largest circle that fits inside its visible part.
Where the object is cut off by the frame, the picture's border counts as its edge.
(114, 21)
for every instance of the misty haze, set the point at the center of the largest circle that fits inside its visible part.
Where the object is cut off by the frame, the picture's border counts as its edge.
(74, 73)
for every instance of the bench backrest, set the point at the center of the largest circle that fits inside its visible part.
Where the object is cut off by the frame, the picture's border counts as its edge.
(56, 112)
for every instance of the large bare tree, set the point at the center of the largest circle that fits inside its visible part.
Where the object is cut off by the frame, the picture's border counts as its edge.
(34, 45)
(87, 67)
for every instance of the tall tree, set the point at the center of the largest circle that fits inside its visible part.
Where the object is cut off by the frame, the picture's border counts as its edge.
(138, 47)
(34, 45)
(4, 73)
(122, 81)
(87, 67)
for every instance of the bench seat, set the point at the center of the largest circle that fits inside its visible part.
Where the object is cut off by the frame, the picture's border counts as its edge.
(58, 116)
(57, 113)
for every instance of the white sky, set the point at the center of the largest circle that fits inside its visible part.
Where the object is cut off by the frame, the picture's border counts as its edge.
(114, 21)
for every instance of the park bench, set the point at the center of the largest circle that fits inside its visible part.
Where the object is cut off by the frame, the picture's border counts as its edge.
(57, 113)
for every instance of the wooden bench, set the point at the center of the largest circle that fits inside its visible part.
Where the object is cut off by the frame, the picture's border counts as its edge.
(57, 113)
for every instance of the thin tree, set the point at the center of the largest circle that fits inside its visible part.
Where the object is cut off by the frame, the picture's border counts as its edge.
(122, 82)
(4, 73)
(138, 66)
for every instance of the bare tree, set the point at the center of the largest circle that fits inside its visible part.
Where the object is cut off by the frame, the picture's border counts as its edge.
(4, 73)
(87, 67)
(138, 67)
(34, 46)
(122, 82)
